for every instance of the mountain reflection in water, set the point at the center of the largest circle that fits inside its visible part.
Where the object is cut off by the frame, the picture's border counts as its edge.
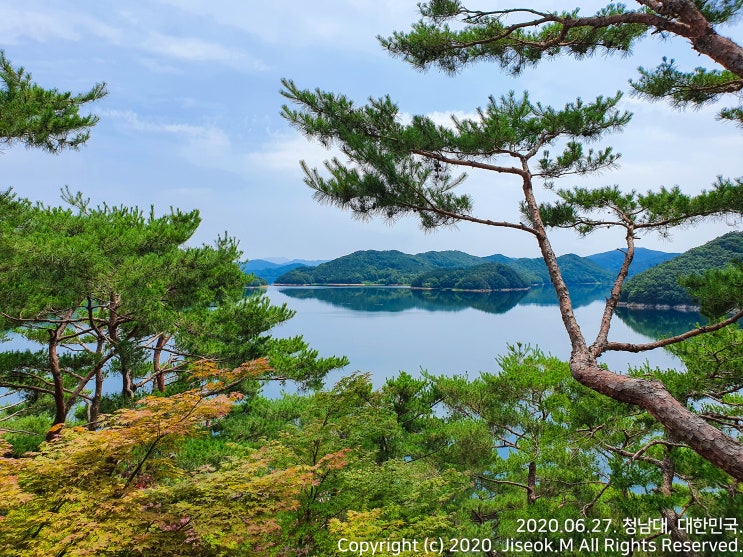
(649, 323)
(386, 327)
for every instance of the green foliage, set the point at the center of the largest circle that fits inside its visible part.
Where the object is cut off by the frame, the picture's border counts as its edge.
(113, 291)
(486, 277)
(191, 474)
(450, 36)
(117, 492)
(516, 434)
(393, 268)
(402, 169)
(486, 36)
(660, 285)
(719, 291)
(42, 118)
(685, 88)
(589, 209)
(24, 433)
(714, 376)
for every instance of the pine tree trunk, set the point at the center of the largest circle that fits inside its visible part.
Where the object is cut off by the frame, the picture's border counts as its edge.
(162, 340)
(60, 410)
(651, 395)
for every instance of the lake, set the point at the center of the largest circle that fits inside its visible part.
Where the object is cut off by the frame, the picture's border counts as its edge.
(383, 330)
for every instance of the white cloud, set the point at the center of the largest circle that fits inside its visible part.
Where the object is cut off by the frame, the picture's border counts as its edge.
(284, 153)
(133, 121)
(197, 50)
(210, 146)
(131, 29)
(341, 23)
(17, 24)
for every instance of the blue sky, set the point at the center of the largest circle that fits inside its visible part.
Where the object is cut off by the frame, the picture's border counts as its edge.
(192, 118)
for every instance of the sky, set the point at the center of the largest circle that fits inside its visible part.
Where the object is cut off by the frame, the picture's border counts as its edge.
(192, 119)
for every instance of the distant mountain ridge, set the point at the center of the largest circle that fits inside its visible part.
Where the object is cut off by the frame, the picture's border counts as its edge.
(653, 274)
(643, 259)
(269, 270)
(393, 267)
(260, 264)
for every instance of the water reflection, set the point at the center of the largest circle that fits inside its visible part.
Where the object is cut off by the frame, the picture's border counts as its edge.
(489, 302)
(395, 299)
(581, 295)
(659, 323)
(650, 323)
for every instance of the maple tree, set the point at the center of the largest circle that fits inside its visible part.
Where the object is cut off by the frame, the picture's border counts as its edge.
(118, 491)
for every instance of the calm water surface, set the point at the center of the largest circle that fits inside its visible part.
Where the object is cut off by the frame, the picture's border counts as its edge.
(385, 330)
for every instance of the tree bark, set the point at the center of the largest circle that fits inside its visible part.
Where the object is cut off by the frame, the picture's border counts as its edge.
(680, 423)
(531, 483)
(162, 340)
(55, 337)
(652, 396)
(668, 474)
(60, 409)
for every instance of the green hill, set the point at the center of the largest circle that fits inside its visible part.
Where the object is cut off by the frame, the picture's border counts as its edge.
(450, 259)
(484, 277)
(659, 286)
(575, 270)
(362, 267)
(395, 267)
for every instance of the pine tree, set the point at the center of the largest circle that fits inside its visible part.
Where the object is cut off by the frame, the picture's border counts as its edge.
(42, 118)
(395, 169)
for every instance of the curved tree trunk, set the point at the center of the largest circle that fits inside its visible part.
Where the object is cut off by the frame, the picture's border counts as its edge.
(682, 424)
(651, 395)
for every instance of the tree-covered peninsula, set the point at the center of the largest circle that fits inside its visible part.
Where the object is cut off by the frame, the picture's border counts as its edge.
(397, 268)
(489, 276)
(661, 285)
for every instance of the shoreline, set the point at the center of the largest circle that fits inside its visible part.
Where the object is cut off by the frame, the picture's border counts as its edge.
(342, 285)
(684, 308)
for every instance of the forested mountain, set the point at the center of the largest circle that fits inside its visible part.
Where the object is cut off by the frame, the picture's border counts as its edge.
(660, 285)
(575, 270)
(395, 267)
(377, 267)
(450, 259)
(643, 260)
(499, 258)
(488, 276)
